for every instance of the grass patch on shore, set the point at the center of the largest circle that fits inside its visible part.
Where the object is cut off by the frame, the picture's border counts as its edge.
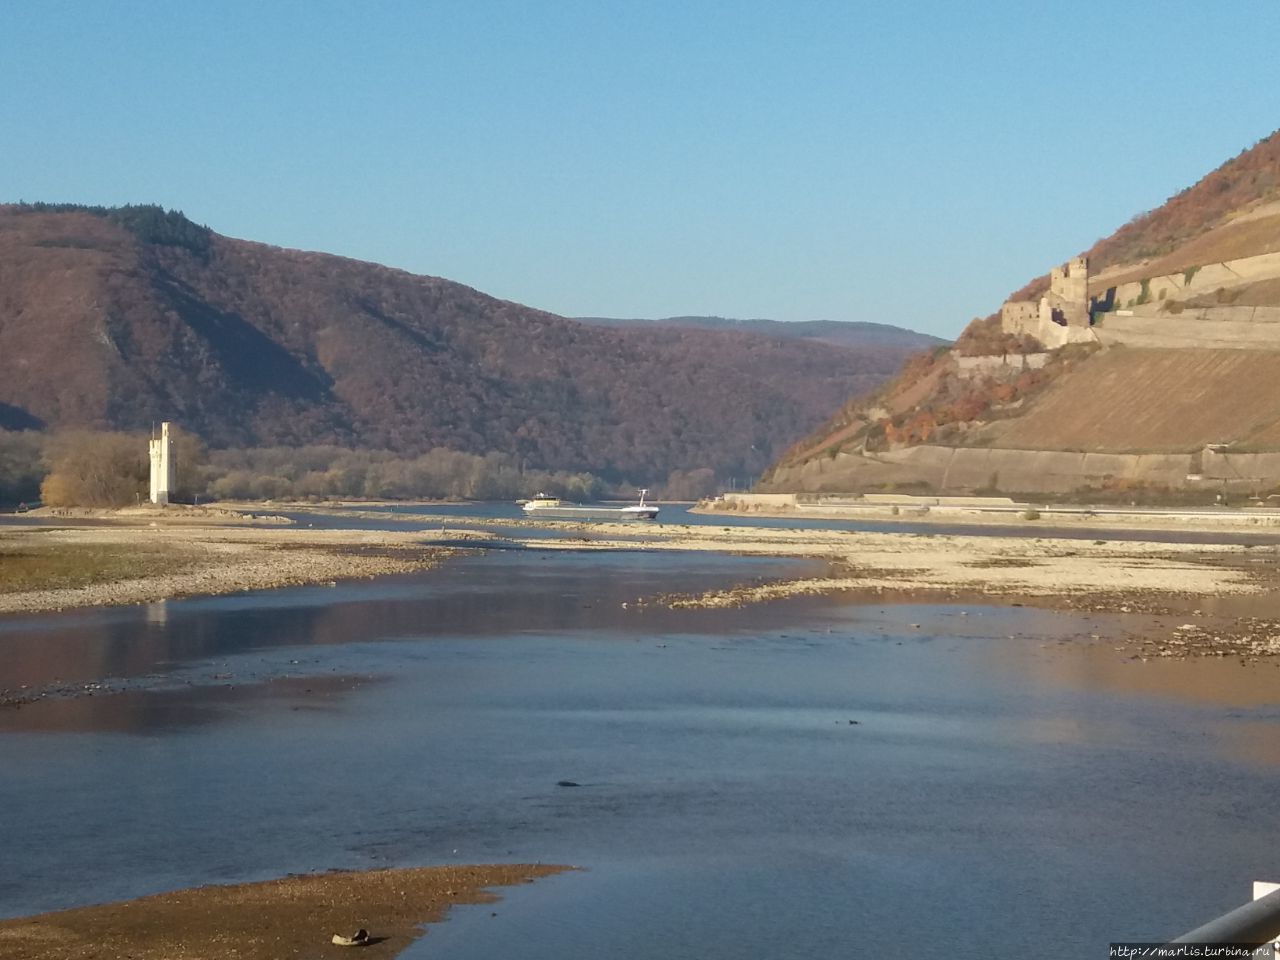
(991, 563)
(65, 566)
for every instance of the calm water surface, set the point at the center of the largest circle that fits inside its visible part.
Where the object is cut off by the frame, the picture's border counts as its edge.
(492, 513)
(1002, 787)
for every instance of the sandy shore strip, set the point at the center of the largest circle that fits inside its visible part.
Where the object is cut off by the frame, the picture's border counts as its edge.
(996, 566)
(1026, 517)
(1104, 573)
(176, 513)
(136, 560)
(77, 566)
(1124, 576)
(293, 917)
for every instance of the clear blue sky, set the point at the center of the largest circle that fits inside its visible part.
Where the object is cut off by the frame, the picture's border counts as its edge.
(902, 162)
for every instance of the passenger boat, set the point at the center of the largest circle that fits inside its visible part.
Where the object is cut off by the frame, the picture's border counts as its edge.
(544, 505)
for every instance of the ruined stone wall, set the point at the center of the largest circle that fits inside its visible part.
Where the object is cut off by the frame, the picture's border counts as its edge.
(1067, 302)
(969, 367)
(1020, 317)
(1069, 283)
(1061, 316)
(1138, 314)
(1228, 312)
(1195, 282)
(1042, 325)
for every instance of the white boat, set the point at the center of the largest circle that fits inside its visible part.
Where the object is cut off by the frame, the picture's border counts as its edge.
(544, 505)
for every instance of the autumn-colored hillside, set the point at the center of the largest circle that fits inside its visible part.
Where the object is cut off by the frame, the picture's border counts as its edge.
(996, 392)
(1241, 183)
(120, 318)
(859, 334)
(1251, 176)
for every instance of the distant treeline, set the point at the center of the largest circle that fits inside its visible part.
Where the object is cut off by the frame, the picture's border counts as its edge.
(267, 473)
(22, 466)
(148, 222)
(102, 469)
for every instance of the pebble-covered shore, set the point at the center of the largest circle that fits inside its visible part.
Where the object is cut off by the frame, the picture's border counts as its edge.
(293, 917)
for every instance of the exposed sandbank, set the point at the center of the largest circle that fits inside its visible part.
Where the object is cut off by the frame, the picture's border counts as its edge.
(1027, 517)
(292, 917)
(170, 514)
(1121, 575)
(997, 566)
(1172, 579)
(122, 564)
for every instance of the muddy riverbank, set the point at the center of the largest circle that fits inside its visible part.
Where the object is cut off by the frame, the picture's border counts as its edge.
(295, 916)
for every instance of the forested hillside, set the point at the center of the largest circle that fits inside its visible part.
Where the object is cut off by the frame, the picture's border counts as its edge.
(115, 318)
(1185, 388)
(859, 334)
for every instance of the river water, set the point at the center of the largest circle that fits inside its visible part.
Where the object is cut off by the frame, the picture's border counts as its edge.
(807, 778)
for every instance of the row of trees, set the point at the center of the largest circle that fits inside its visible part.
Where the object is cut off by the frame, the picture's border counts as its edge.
(111, 469)
(149, 222)
(265, 473)
(88, 468)
(21, 466)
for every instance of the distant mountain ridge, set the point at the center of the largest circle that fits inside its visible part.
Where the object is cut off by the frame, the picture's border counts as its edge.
(121, 317)
(841, 333)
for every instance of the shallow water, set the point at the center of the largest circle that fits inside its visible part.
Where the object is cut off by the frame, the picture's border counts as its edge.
(492, 514)
(1001, 788)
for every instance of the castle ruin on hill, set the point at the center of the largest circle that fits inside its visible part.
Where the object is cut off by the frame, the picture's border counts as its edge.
(1062, 315)
(1191, 308)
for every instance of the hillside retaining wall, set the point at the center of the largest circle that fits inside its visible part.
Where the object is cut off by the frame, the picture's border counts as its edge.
(970, 367)
(1208, 328)
(967, 469)
(1186, 284)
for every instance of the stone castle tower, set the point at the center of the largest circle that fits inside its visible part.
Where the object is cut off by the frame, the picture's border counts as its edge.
(1068, 297)
(1062, 314)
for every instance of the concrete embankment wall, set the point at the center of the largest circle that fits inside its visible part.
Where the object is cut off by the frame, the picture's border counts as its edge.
(965, 469)
(1205, 279)
(970, 367)
(1208, 328)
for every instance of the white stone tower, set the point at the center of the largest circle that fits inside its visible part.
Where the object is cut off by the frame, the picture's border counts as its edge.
(161, 465)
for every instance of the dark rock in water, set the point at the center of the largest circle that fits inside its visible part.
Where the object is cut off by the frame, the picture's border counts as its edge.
(567, 783)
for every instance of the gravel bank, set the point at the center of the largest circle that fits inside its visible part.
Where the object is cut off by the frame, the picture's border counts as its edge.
(293, 917)
(214, 560)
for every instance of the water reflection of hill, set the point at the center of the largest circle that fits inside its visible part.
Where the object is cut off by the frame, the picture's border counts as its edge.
(189, 642)
(146, 710)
